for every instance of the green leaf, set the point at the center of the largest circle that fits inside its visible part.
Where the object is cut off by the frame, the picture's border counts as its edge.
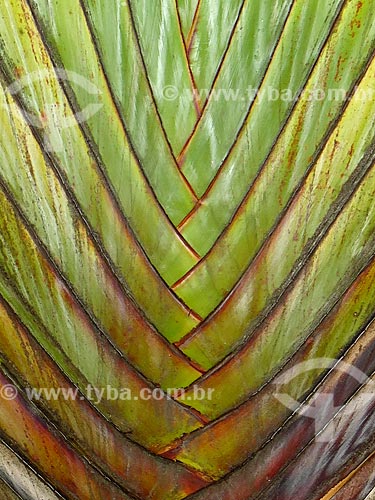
(187, 263)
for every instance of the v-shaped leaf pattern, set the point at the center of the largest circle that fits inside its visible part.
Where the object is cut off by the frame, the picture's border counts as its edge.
(188, 14)
(209, 39)
(209, 226)
(166, 66)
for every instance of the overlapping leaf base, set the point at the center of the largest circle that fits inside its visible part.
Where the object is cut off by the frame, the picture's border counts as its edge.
(192, 231)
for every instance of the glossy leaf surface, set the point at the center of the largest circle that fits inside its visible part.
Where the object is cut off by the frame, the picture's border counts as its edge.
(187, 249)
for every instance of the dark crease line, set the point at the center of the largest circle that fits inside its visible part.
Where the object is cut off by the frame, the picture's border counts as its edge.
(38, 413)
(241, 130)
(53, 163)
(32, 470)
(170, 149)
(181, 280)
(182, 153)
(55, 271)
(122, 120)
(324, 313)
(303, 450)
(289, 420)
(4, 482)
(101, 254)
(126, 131)
(100, 167)
(347, 193)
(326, 377)
(191, 250)
(346, 472)
(99, 163)
(191, 213)
(356, 479)
(330, 130)
(126, 436)
(193, 83)
(190, 35)
(328, 311)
